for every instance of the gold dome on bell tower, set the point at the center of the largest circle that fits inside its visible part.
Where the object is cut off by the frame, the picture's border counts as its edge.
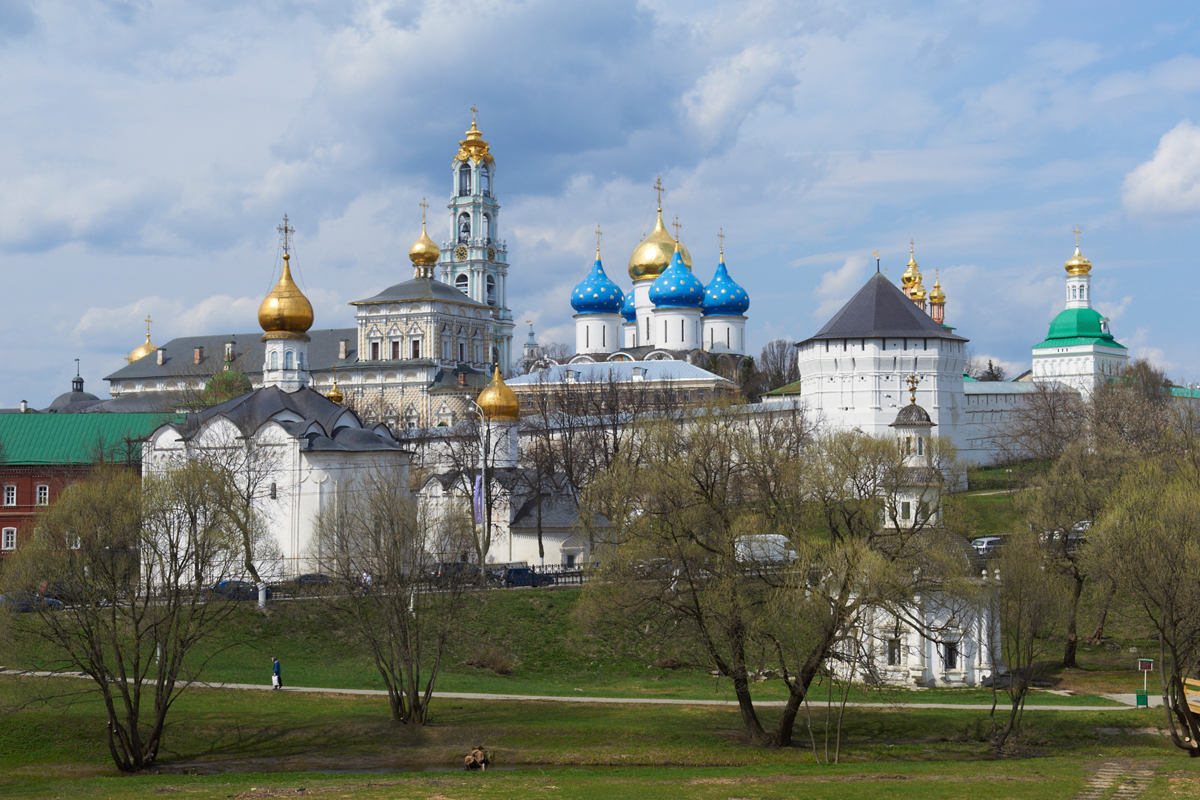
(285, 312)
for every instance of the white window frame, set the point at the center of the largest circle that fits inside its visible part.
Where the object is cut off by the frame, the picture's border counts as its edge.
(8, 539)
(74, 541)
(10, 494)
(42, 494)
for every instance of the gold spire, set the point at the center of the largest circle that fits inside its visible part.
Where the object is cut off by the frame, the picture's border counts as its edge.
(912, 276)
(498, 402)
(1078, 265)
(424, 253)
(473, 147)
(144, 349)
(285, 312)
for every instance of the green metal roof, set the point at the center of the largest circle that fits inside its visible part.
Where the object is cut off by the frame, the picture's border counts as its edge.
(76, 438)
(1078, 326)
(791, 388)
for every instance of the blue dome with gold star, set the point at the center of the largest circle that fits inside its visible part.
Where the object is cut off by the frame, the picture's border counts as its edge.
(629, 310)
(723, 297)
(677, 287)
(597, 294)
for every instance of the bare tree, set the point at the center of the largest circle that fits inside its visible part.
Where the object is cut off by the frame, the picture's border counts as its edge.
(778, 364)
(125, 554)
(375, 529)
(1041, 425)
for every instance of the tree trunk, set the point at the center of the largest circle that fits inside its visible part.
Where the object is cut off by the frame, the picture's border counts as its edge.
(1072, 623)
(741, 689)
(1098, 634)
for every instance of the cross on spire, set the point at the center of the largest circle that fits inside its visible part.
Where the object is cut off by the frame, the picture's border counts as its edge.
(597, 245)
(285, 231)
(148, 321)
(474, 111)
(658, 189)
(911, 247)
(913, 382)
(1077, 232)
(721, 236)
(423, 206)
(677, 226)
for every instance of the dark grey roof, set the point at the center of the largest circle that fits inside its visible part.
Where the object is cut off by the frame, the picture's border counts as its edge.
(447, 380)
(420, 289)
(879, 310)
(133, 403)
(67, 398)
(912, 414)
(249, 352)
(557, 513)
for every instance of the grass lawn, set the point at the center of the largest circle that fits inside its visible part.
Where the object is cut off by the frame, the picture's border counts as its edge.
(249, 744)
(534, 629)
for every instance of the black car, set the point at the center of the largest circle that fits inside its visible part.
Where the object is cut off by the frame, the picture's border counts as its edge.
(525, 576)
(235, 590)
(309, 583)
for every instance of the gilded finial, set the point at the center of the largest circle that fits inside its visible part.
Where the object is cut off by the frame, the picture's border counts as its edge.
(658, 189)
(423, 206)
(474, 111)
(1077, 232)
(285, 231)
(913, 382)
(721, 236)
(677, 226)
(597, 246)
(148, 321)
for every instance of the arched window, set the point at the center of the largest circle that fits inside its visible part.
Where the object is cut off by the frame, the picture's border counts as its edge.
(287, 360)
(300, 360)
(485, 180)
(1074, 293)
(487, 228)
(491, 290)
(464, 180)
(274, 359)
(460, 283)
(464, 226)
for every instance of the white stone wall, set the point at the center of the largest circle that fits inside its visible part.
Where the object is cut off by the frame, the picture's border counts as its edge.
(677, 328)
(724, 334)
(598, 333)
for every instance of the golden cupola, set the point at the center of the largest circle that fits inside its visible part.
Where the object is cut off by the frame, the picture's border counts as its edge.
(424, 254)
(335, 394)
(144, 349)
(474, 148)
(1077, 264)
(917, 292)
(937, 296)
(285, 313)
(652, 257)
(498, 402)
(911, 279)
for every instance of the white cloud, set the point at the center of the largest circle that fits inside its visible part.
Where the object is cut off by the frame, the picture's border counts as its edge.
(837, 285)
(1169, 183)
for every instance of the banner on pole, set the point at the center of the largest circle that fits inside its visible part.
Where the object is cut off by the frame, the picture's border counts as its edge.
(478, 504)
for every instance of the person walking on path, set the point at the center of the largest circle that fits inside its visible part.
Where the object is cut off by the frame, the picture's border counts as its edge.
(276, 674)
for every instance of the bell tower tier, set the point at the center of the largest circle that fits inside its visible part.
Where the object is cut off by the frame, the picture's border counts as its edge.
(474, 259)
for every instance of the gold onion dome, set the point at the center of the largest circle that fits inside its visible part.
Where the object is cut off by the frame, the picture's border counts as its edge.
(498, 402)
(143, 350)
(285, 312)
(335, 394)
(937, 295)
(918, 291)
(1078, 265)
(912, 276)
(652, 257)
(424, 252)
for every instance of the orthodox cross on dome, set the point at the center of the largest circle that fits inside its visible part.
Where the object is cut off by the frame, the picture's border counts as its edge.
(148, 321)
(658, 189)
(597, 246)
(423, 206)
(1077, 232)
(285, 231)
(474, 111)
(721, 236)
(913, 382)
(677, 226)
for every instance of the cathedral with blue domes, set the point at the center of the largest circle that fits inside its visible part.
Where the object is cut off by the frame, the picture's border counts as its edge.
(668, 315)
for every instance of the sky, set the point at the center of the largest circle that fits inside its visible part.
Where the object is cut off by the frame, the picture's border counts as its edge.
(149, 150)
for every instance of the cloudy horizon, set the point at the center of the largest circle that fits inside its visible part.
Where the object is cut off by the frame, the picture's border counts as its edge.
(151, 148)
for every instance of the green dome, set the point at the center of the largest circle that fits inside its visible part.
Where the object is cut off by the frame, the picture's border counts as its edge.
(1075, 326)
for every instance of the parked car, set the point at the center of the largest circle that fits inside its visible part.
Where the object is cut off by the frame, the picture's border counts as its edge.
(26, 602)
(525, 576)
(309, 583)
(986, 546)
(235, 590)
(66, 592)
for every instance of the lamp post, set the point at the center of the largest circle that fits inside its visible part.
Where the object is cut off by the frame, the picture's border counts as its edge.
(484, 516)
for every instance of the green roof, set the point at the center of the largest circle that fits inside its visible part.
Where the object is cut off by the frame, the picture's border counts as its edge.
(791, 388)
(76, 438)
(1078, 326)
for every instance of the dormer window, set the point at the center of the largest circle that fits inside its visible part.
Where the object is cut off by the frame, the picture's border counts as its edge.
(464, 180)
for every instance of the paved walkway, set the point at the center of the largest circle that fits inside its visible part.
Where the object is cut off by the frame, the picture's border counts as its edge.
(1129, 783)
(548, 698)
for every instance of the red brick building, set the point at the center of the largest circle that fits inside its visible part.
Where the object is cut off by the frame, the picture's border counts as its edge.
(42, 454)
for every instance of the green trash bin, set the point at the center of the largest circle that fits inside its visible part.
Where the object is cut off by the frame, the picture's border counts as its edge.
(1143, 698)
